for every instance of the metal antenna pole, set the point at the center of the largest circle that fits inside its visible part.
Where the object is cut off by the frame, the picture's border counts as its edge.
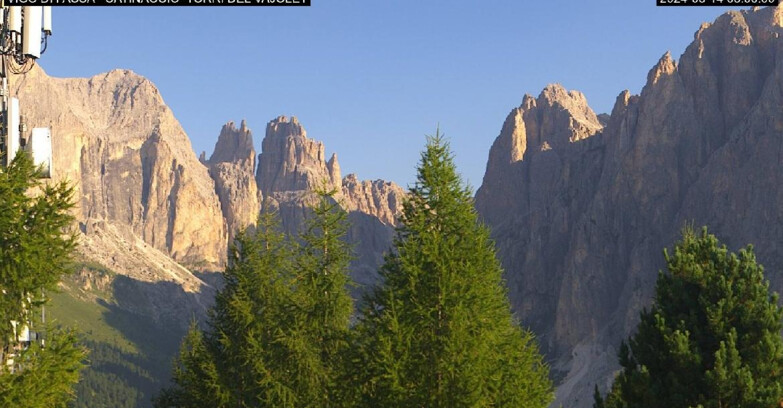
(4, 34)
(23, 38)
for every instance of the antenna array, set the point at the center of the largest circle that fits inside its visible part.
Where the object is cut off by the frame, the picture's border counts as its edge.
(24, 34)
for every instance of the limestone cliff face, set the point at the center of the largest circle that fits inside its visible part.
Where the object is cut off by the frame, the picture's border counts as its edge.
(131, 162)
(378, 198)
(290, 161)
(533, 142)
(373, 209)
(140, 185)
(581, 224)
(232, 166)
(151, 211)
(291, 166)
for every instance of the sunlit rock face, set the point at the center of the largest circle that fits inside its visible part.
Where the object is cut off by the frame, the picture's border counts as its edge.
(130, 161)
(232, 166)
(291, 166)
(150, 210)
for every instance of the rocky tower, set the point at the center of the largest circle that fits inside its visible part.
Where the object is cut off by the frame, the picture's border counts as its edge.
(290, 161)
(580, 223)
(147, 206)
(291, 165)
(232, 166)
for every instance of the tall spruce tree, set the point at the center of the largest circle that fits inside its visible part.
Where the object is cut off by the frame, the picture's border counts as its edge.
(322, 299)
(711, 339)
(35, 252)
(241, 359)
(439, 331)
(278, 327)
(195, 377)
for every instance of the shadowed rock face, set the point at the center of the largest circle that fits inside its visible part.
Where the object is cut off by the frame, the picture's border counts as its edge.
(581, 211)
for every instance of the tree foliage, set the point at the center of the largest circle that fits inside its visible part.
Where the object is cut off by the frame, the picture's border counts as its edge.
(279, 325)
(35, 245)
(321, 296)
(35, 251)
(711, 339)
(439, 331)
(45, 375)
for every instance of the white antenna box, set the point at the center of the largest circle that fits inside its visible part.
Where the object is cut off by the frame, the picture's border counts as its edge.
(15, 19)
(31, 27)
(12, 137)
(47, 19)
(40, 148)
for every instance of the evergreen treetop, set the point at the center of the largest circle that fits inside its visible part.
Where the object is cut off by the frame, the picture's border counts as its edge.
(279, 326)
(711, 338)
(439, 331)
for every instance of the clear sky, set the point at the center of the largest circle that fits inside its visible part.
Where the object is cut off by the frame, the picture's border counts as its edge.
(370, 78)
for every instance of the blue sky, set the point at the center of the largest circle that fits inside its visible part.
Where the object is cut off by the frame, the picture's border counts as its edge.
(370, 78)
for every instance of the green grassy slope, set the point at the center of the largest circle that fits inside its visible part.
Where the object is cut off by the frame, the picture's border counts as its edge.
(130, 353)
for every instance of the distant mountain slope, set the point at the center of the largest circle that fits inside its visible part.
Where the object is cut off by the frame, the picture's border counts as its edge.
(161, 220)
(581, 211)
(130, 353)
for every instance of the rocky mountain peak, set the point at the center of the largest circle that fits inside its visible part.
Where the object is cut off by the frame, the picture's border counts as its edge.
(621, 102)
(291, 166)
(580, 227)
(333, 167)
(582, 121)
(282, 126)
(666, 66)
(528, 102)
(290, 161)
(132, 164)
(234, 145)
(232, 167)
(556, 94)
(379, 198)
(555, 119)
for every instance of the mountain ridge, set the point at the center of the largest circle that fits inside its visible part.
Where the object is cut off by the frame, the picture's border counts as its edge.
(160, 220)
(580, 226)
(581, 205)
(134, 168)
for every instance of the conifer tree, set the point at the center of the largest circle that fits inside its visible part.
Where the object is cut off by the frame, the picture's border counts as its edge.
(322, 299)
(35, 252)
(439, 331)
(711, 339)
(45, 374)
(240, 359)
(195, 376)
(278, 327)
